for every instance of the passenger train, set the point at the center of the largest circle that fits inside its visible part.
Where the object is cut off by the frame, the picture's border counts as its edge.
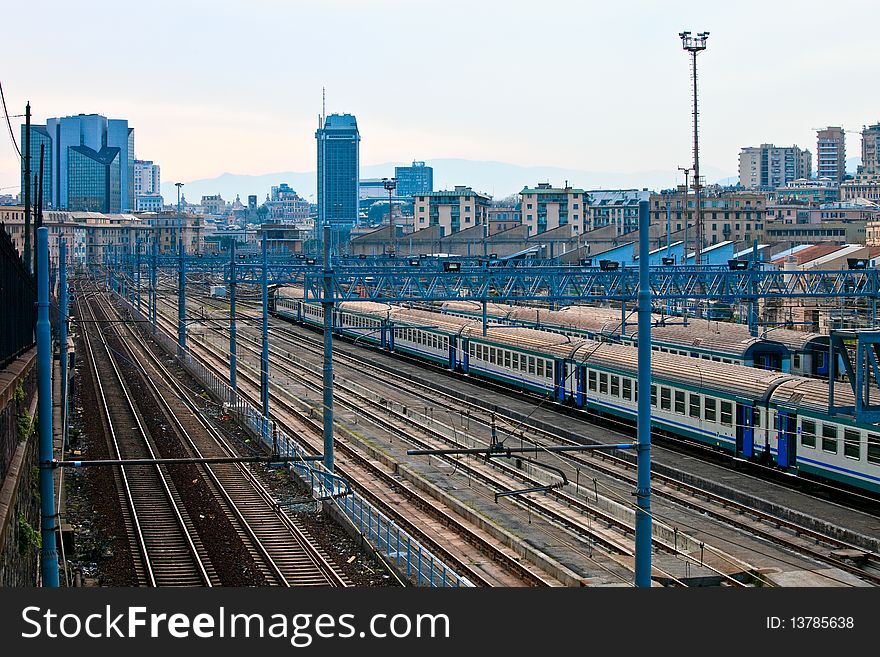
(778, 349)
(775, 417)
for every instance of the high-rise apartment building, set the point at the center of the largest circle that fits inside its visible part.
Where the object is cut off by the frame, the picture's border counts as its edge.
(338, 143)
(91, 141)
(147, 182)
(870, 143)
(414, 180)
(831, 154)
(452, 210)
(768, 167)
(545, 207)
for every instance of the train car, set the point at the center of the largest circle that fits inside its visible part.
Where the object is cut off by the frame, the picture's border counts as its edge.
(775, 417)
(781, 349)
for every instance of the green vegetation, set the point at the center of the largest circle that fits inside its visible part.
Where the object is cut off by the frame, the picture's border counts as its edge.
(28, 537)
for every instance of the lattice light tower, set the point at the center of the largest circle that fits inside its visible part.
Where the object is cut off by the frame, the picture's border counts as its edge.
(695, 44)
(390, 184)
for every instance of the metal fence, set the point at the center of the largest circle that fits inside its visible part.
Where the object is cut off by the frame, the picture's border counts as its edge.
(383, 534)
(18, 302)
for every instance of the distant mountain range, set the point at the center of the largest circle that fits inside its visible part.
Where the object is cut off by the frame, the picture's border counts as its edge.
(500, 179)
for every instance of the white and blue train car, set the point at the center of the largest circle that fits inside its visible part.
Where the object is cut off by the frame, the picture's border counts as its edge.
(751, 413)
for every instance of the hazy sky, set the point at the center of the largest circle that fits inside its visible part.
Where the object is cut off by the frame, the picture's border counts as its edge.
(213, 87)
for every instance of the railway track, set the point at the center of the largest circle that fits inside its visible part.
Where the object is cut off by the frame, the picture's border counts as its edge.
(279, 546)
(784, 532)
(166, 549)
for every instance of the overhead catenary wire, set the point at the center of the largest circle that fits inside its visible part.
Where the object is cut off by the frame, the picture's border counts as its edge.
(8, 122)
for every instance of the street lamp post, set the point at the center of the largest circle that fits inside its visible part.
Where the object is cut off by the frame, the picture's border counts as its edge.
(695, 44)
(390, 184)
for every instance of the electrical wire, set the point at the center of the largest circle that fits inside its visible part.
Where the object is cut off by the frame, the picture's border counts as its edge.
(8, 122)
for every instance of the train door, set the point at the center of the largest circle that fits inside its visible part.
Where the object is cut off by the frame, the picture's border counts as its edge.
(745, 430)
(464, 355)
(786, 434)
(559, 379)
(580, 374)
(452, 339)
(820, 363)
(391, 337)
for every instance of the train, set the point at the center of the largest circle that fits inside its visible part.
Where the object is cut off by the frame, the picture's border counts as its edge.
(778, 349)
(777, 418)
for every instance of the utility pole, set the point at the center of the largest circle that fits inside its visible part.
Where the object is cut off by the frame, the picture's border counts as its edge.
(38, 201)
(26, 183)
(179, 239)
(684, 254)
(695, 44)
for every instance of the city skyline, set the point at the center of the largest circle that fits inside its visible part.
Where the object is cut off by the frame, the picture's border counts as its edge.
(586, 87)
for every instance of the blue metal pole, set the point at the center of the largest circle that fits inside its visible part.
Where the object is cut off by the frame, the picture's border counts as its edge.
(484, 317)
(181, 298)
(137, 274)
(643, 493)
(328, 353)
(49, 557)
(264, 360)
(63, 307)
(753, 302)
(154, 292)
(233, 341)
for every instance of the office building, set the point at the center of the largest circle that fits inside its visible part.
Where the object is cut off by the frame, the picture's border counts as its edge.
(831, 154)
(39, 136)
(414, 180)
(338, 143)
(92, 141)
(767, 167)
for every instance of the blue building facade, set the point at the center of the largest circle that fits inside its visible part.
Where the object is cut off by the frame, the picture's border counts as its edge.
(95, 133)
(94, 179)
(338, 142)
(414, 180)
(39, 135)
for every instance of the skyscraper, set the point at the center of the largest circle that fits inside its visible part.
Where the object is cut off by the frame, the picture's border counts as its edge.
(414, 180)
(831, 154)
(86, 140)
(39, 135)
(338, 173)
(870, 150)
(768, 166)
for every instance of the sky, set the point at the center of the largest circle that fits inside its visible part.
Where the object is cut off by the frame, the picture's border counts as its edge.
(235, 86)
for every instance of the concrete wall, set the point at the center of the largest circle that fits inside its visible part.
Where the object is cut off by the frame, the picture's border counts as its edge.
(19, 493)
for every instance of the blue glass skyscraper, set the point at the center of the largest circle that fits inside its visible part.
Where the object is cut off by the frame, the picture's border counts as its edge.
(90, 141)
(414, 180)
(338, 174)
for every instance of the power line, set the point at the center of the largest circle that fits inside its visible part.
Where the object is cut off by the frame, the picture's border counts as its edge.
(8, 122)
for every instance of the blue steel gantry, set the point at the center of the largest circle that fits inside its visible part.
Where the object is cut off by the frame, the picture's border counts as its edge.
(332, 280)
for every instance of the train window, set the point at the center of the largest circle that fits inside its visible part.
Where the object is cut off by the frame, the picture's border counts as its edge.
(531, 364)
(796, 358)
(523, 362)
(603, 383)
(726, 413)
(515, 361)
(592, 381)
(615, 385)
(851, 444)
(548, 371)
(873, 448)
(507, 359)
(808, 433)
(627, 389)
(756, 417)
(695, 406)
(705, 357)
(540, 365)
(710, 411)
(679, 402)
(829, 438)
(665, 399)
(653, 395)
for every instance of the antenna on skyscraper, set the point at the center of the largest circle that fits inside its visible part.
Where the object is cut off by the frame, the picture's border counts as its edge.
(323, 105)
